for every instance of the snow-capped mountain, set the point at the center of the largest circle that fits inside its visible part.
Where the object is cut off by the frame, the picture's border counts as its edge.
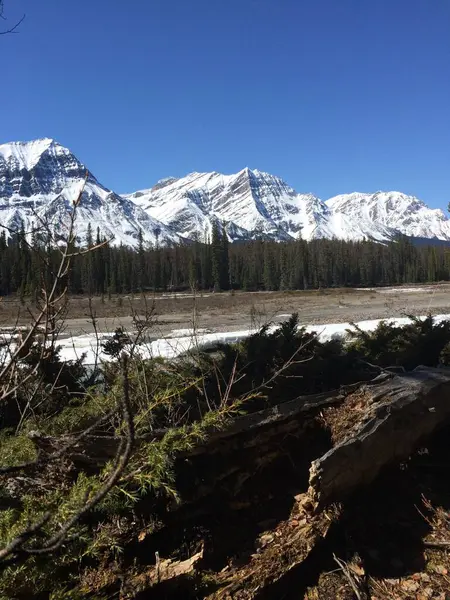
(384, 211)
(251, 203)
(39, 181)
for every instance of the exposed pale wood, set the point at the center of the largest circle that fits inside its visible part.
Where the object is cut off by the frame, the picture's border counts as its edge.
(401, 413)
(166, 569)
(280, 551)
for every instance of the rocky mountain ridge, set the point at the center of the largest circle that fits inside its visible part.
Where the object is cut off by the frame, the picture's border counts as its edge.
(39, 179)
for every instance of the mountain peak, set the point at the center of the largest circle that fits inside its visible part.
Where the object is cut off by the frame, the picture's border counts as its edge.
(39, 176)
(250, 172)
(39, 180)
(27, 153)
(253, 201)
(393, 211)
(41, 144)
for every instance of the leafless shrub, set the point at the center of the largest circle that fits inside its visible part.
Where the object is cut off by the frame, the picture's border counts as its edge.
(21, 380)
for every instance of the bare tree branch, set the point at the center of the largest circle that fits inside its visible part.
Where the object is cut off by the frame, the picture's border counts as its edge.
(47, 315)
(15, 27)
(17, 548)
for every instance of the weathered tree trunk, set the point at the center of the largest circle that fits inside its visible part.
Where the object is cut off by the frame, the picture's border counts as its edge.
(398, 415)
(98, 449)
(362, 428)
(394, 413)
(387, 419)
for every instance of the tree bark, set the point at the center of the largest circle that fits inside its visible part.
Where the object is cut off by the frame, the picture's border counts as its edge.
(400, 414)
(98, 449)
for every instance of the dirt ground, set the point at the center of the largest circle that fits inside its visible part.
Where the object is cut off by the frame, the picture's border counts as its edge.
(241, 310)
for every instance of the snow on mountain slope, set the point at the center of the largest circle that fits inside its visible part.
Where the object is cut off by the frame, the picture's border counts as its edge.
(384, 211)
(39, 181)
(251, 202)
(26, 154)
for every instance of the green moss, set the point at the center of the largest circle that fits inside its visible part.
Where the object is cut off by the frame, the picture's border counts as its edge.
(78, 415)
(15, 449)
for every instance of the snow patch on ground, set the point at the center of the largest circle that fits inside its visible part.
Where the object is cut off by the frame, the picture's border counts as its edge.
(180, 341)
(175, 333)
(400, 290)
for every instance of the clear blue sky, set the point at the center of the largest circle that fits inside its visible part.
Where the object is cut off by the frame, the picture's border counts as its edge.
(332, 95)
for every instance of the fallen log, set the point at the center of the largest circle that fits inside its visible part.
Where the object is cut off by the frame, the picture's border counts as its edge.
(395, 416)
(229, 458)
(90, 449)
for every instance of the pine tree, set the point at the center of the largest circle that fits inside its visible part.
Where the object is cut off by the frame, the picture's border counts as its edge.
(140, 275)
(224, 261)
(216, 257)
(98, 260)
(254, 253)
(253, 265)
(284, 270)
(88, 266)
(89, 237)
(270, 275)
(195, 264)
(112, 282)
(206, 265)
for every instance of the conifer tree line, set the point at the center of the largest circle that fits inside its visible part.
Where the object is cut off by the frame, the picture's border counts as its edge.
(218, 265)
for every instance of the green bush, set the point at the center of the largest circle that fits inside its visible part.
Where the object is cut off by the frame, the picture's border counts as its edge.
(176, 404)
(421, 342)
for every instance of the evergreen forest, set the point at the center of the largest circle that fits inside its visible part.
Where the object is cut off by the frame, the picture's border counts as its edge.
(219, 265)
